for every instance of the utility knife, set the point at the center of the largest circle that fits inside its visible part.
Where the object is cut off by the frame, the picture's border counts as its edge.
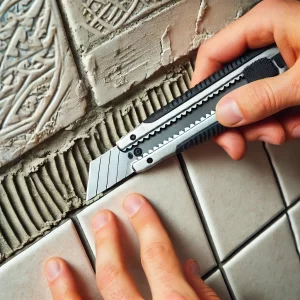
(186, 121)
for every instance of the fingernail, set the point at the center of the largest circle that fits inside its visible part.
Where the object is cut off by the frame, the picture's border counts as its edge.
(229, 112)
(99, 221)
(266, 139)
(195, 268)
(296, 132)
(132, 204)
(52, 269)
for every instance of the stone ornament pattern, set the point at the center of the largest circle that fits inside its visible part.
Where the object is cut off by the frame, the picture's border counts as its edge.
(104, 17)
(37, 94)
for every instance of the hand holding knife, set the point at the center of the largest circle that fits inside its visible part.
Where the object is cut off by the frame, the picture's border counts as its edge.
(187, 121)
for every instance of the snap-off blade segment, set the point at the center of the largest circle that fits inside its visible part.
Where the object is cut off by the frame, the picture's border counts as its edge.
(107, 170)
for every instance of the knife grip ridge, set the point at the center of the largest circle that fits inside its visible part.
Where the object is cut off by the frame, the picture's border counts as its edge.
(200, 137)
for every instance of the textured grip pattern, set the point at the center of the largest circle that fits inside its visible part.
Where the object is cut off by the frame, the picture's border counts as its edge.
(262, 68)
(227, 69)
(201, 137)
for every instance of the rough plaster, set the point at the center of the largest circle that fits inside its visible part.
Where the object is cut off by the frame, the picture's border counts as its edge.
(134, 53)
(40, 91)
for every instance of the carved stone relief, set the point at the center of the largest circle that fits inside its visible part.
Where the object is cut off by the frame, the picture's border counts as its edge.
(39, 84)
(104, 17)
(124, 42)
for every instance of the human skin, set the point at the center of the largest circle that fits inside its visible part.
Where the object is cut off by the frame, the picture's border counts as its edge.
(166, 277)
(267, 110)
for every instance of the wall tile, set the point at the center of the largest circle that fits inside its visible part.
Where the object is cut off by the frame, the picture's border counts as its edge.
(268, 268)
(40, 90)
(294, 214)
(22, 277)
(286, 162)
(166, 189)
(216, 282)
(237, 197)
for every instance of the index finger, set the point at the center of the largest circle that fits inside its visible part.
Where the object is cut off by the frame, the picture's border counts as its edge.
(253, 30)
(158, 257)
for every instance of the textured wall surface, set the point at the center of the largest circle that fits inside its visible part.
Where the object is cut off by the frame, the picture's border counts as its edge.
(40, 91)
(122, 43)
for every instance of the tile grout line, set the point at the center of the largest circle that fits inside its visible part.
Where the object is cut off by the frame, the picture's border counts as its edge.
(287, 207)
(85, 244)
(255, 235)
(205, 226)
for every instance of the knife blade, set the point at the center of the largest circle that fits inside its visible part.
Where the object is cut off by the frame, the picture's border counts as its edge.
(186, 121)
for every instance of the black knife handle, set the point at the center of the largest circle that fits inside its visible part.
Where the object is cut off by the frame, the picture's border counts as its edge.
(227, 69)
(260, 69)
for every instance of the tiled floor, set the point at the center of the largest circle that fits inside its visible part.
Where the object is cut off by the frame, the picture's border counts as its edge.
(260, 259)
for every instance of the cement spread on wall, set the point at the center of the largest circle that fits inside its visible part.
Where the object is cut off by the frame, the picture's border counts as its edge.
(36, 197)
(122, 45)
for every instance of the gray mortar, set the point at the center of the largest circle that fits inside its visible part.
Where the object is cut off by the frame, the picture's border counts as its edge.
(50, 181)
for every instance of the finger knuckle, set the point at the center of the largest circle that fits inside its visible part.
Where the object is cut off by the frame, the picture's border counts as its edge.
(263, 99)
(295, 86)
(271, 100)
(154, 251)
(107, 275)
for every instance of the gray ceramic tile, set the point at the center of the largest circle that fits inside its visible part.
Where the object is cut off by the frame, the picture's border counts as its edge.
(216, 282)
(237, 197)
(268, 268)
(286, 161)
(166, 189)
(294, 214)
(22, 277)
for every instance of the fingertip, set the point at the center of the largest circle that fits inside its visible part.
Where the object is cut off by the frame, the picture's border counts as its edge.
(53, 267)
(228, 112)
(233, 143)
(268, 130)
(296, 132)
(132, 203)
(101, 219)
(290, 121)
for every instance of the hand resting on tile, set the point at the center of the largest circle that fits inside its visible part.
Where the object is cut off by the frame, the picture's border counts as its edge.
(268, 109)
(166, 277)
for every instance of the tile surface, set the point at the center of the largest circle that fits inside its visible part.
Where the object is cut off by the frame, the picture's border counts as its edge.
(122, 43)
(294, 214)
(216, 282)
(237, 198)
(22, 277)
(175, 207)
(38, 95)
(286, 161)
(267, 268)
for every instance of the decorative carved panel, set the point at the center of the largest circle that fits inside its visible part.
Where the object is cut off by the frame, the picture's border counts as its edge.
(39, 84)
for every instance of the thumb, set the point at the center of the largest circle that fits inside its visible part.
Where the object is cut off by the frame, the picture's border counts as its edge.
(259, 99)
